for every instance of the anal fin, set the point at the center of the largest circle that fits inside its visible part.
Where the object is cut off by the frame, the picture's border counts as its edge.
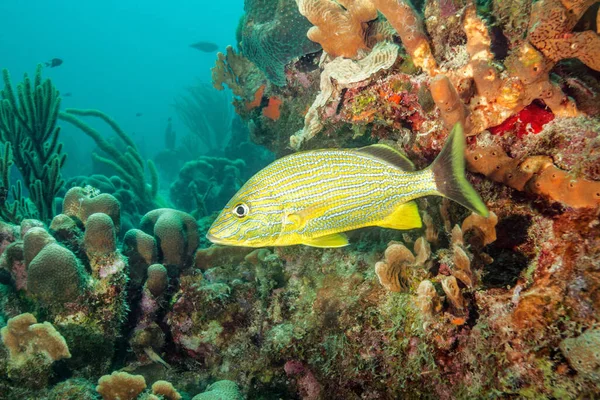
(406, 216)
(333, 240)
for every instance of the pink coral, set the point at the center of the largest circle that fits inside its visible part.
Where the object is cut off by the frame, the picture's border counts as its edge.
(308, 385)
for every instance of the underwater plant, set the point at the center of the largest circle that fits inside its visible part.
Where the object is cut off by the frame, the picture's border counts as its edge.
(207, 113)
(28, 115)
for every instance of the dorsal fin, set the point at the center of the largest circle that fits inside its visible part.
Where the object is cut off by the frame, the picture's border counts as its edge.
(389, 154)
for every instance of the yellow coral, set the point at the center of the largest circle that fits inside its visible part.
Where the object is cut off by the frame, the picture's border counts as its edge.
(26, 339)
(166, 390)
(392, 271)
(339, 25)
(120, 386)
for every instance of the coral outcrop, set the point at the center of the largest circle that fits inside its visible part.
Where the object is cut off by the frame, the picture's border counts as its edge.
(176, 235)
(32, 348)
(339, 27)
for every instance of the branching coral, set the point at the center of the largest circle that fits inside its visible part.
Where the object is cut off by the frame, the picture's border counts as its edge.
(20, 207)
(337, 75)
(339, 26)
(28, 127)
(129, 164)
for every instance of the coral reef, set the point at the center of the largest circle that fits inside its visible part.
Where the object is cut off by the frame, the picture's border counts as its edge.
(134, 303)
(344, 73)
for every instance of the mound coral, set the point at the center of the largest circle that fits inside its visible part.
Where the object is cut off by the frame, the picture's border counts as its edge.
(141, 251)
(99, 237)
(583, 353)
(54, 275)
(176, 235)
(82, 202)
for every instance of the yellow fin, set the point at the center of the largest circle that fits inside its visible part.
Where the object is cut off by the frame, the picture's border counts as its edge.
(406, 216)
(333, 240)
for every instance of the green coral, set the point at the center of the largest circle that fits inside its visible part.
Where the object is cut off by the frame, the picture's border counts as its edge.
(221, 390)
(28, 129)
(273, 35)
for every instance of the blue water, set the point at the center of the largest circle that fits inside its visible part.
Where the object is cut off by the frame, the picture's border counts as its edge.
(120, 56)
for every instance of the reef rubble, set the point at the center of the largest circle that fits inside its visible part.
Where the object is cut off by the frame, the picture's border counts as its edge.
(95, 305)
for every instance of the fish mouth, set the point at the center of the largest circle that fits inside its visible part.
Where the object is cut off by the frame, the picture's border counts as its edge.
(215, 240)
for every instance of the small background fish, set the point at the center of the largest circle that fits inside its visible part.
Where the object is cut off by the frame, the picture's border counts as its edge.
(55, 62)
(206, 47)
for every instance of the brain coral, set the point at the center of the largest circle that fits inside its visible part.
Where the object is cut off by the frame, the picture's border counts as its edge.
(81, 203)
(157, 279)
(221, 390)
(34, 241)
(176, 233)
(99, 235)
(54, 275)
(273, 35)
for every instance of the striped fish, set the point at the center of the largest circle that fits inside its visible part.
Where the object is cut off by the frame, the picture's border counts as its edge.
(312, 197)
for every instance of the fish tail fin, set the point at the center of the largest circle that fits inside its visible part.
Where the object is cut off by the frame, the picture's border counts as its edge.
(449, 173)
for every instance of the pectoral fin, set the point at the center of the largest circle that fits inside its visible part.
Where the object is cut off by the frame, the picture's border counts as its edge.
(406, 216)
(333, 240)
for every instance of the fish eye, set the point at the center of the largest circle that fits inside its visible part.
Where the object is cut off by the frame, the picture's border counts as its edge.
(240, 210)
